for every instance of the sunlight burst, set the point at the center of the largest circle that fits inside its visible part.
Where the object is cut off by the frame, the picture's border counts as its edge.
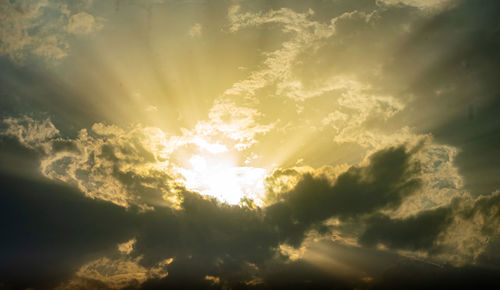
(225, 180)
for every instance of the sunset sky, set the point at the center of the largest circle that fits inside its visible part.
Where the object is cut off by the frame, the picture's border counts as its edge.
(198, 144)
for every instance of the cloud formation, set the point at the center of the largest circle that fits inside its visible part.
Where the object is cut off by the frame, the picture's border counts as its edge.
(116, 273)
(30, 28)
(235, 244)
(342, 155)
(143, 166)
(124, 168)
(82, 23)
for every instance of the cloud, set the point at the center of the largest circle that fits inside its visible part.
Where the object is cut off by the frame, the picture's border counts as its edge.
(419, 274)
(441, 181)
(414, 233)
(108, 163)
(43, 249)
(195, 30)
(127, 247)
(82, 23)
(422, 4)
(355, 105)
(406, 200)
(456, 233)
(134, 168)
(235, 243)
(277, 65)
(30, 132)
(116, 273)
(456, 73)
(235, 125)
(390, 176)
(142, 166)
(41, 28)
(474, 229)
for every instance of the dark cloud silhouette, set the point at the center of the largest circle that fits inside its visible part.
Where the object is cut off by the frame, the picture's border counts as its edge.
(418, 275)
(414, 233)
(50, 229)
(55, 225)
(390, 176)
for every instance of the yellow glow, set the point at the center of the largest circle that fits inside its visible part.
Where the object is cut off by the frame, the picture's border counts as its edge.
(222, 179)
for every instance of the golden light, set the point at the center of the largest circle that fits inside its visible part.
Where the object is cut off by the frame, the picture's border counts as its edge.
(223, 179)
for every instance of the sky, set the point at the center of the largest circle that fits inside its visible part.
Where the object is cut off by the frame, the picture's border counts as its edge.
(329, 144)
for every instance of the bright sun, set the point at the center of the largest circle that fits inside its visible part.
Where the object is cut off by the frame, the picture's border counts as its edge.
(224, 180)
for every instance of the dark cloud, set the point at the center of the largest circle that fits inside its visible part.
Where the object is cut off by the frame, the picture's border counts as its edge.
(50, 229)
(47, 223)
(390, 177)
(418, 275)
(52, 224)
(415, 233)
(429, 231)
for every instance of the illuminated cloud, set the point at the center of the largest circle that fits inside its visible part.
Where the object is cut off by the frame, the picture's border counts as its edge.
(29, 27)
(423, 4)
(421, 190)
(82, 23)
(141, 167)
(117, 273)
(277, 65)
(107, 163)
(236, 124)
(127, 247)
(396, 187)
(348, 205)
(31, 133)
(456, 233)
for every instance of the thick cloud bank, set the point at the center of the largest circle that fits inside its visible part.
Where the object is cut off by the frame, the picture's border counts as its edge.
(202, 242)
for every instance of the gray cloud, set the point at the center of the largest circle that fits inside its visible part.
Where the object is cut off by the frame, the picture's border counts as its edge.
(37, 28)
(413, 233)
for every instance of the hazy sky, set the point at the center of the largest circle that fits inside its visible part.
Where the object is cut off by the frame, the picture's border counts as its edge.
(161, 144)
